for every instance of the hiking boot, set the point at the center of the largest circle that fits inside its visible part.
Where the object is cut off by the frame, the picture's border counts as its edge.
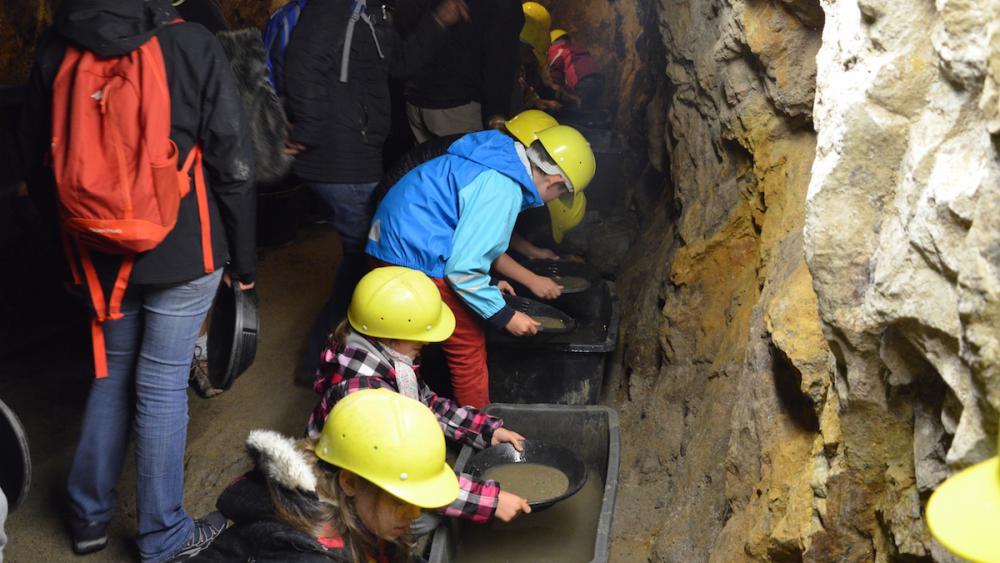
(204, 533)
(88, 537)
(199, 380)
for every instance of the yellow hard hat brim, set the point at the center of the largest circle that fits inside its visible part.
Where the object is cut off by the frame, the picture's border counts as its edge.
(440, 490)
(557, 234)
(573, 203)
(444, 328)
(964, 512)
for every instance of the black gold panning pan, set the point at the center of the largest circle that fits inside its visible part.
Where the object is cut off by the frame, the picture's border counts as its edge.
(541, 453)
(535, 309)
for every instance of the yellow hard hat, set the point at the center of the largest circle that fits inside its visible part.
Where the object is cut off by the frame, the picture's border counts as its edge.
(566, 215)
(538, 38)
(572, 153)
(393, 441)
(537, 13)
(400, 303)
(556, 34)
(536, 29)
(526, 125)
(964, 512)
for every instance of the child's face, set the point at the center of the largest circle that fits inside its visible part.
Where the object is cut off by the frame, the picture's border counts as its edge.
(410, 348)
(384, 515)
(550, 186)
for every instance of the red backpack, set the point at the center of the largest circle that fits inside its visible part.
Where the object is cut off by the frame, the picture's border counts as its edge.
(115, 166)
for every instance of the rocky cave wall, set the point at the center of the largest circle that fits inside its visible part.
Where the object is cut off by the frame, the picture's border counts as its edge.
(910, 299)
(809, 343)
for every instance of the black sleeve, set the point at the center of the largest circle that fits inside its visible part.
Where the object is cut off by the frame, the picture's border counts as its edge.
(228, 151)
(35, 130)
(500, 319)
(411, 53)
(408, 14)
(311, 61)
(501, 56)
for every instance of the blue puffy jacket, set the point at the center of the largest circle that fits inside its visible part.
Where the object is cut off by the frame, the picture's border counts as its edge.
(453, 216)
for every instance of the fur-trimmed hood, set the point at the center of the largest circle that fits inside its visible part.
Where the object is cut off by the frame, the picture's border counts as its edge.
(268, 123)
(276, 457)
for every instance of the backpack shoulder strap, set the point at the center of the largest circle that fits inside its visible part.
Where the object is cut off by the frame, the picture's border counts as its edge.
(103, 312)
(194, 162)
(359, 11)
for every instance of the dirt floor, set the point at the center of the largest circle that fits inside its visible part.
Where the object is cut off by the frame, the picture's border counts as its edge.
(47, 388)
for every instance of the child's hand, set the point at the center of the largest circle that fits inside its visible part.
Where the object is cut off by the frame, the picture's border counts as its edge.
(522, 325)
(510, 506)
(506, 288)
(502, 436)
(545, 288)
(539, 253)
(548, 105)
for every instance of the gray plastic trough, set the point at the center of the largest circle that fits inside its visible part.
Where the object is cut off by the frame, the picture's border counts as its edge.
(591, 430)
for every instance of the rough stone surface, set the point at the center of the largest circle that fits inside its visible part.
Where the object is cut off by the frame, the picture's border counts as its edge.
(725, 377)
(901, 236)
(21, 25)
(809, 343)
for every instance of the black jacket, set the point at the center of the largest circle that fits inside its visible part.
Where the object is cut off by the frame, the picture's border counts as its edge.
(343, 125)
(205, 107)
(479, 63)
(256, 536)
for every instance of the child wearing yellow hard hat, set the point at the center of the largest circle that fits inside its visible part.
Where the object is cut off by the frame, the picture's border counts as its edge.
(524, 127)
(453, 216)
(394, 312)
(573, 69)
(350, 494)
(537, 88)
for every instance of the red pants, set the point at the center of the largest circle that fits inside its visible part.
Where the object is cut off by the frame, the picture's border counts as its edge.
(465, 351)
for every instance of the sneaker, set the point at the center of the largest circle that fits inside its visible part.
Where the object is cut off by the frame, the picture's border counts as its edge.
(89, 537)
(204, 533)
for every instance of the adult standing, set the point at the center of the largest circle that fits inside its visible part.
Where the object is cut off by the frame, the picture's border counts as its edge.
(339, 110)
(149, 347)
(466, 85)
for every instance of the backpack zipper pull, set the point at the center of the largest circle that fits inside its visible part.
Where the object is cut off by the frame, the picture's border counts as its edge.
(102, 101)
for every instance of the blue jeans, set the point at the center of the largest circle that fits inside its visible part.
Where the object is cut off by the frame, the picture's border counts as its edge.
(351, 207)
(149, 358)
